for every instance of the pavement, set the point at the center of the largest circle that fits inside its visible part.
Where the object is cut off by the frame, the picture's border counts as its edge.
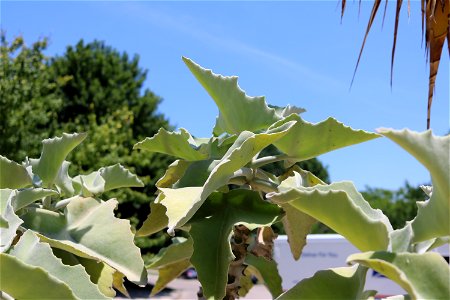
(181, 288)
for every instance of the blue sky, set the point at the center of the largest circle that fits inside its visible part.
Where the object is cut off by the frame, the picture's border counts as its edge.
(293, 52)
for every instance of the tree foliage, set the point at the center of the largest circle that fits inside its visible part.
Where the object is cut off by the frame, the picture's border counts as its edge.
(89, 88)
(398, 205)
(29, 103)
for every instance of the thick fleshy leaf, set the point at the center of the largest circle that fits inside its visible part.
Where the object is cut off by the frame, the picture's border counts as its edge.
(340, 206)
(211, 230)
(433, 152)
(91, 184)
(173, 173)
(53, 154)
(296, 223)
(283, 112)
(28, 282)
(30, 251)
(268, 271)
(8, 230)
(106, 179)
(180, 249)
(156, 220)
(169, 273)
(63, 181)
(86, 230)
(182, 203)
(338, 283)
(118, 284)
(423, 276)
(117, 176)
(307, 140)
(196, 174)
(25, 197)
(178, 144)
(13, 175)
(101, 274)
(237, 111)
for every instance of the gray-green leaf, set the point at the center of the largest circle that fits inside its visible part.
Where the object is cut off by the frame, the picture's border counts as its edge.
(237, 111)
(13, 175)
(30, 251)
(89, 229)
(53, 154)
(29, 282)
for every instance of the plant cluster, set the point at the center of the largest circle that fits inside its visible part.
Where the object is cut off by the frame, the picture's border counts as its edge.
(218, 192)
(60, 240)
(91, 87)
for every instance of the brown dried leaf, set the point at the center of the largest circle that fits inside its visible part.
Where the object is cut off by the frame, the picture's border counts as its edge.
(264, 243)
(437, 31)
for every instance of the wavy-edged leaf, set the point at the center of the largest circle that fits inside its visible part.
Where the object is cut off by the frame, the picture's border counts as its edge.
(169, 273)
(423, 276)
(179, 144)
(283, 112)
(13, 175)
(118, 280)
(25, 197)
(8, 230)
(117, 176)
(101, 274)
(63, 181)
(106, 179)
(89, 229)
(173, 173)
(237, 111)
(197, 173)
(212, 228)
(307, 140)
(340, 206)
(156, 220)
(296, 223)
(182, 203)
(337, 283)
(91, 184)
(180, 249)
(28, 282)
(53, 154)
(30, 251)
(432, 218)
(267, 271)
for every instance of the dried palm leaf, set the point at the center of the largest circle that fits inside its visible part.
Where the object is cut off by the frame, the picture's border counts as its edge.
(436, 17)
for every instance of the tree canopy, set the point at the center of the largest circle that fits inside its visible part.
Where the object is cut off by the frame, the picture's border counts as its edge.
(90, 88)
(29, 103)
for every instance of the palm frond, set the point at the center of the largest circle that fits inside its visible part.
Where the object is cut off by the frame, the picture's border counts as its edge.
(435, 20)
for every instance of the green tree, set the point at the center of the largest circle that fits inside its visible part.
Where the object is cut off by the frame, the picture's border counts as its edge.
(29, 102)
(90, 88)
(105, 97)
(399, 205)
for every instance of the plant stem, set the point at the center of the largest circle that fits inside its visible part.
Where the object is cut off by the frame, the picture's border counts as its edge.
(263, 185)
(257, 163)
(47, 202)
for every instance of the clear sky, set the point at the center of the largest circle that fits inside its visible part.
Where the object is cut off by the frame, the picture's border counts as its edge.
(293, 52)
